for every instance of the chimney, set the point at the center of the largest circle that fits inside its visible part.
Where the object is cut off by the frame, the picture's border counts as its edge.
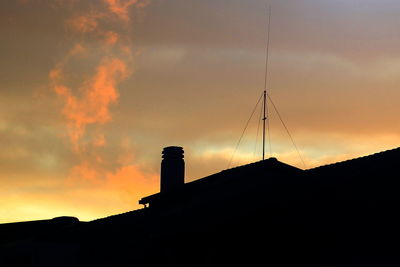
(172, 169)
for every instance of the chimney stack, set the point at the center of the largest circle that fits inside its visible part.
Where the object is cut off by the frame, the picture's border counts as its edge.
(172, 169)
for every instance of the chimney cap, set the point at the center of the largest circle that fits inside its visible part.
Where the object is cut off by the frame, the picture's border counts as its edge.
(173, 151)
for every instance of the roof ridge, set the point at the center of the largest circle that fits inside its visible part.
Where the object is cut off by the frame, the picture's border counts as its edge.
(119, 214)
(240, 166)
(253, 163)
(353, 159)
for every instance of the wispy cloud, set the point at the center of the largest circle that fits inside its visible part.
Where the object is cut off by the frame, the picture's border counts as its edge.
(87, 98)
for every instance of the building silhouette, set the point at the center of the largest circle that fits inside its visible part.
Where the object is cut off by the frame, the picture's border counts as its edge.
(265, 213)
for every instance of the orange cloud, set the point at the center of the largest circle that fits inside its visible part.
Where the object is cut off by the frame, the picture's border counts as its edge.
(121, 7)
(83, 23)
(88, 102)
(98, 93)
(85, 171)
(111, 38)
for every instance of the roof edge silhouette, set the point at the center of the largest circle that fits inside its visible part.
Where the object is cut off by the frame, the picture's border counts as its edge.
(348, 161)
(270, 165)
(272, 160)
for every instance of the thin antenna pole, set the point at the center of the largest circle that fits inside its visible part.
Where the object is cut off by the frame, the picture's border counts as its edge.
(265, 80)
(264, 120)
(267, 48)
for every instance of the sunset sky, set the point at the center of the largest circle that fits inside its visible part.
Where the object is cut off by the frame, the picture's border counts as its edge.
(91, 91)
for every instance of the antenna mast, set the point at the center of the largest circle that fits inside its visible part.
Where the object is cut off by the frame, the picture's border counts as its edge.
(264, 120)
(265, 81)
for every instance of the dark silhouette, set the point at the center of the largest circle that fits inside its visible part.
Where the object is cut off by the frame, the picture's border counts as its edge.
(262, 214)
(172, 169)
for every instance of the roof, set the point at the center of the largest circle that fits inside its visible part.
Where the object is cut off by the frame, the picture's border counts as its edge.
(268, 170)
(389, 158)
(29, 229)
(242, 176)
(342, 214)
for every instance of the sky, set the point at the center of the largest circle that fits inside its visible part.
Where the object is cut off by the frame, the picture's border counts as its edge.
(91, 91)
